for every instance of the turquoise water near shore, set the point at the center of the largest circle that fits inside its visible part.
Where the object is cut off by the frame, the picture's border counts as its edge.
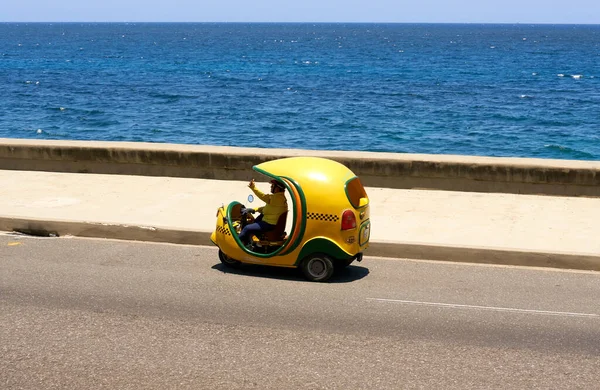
(489, 90)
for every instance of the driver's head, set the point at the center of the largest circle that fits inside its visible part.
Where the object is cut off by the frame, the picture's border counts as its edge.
(277, 186)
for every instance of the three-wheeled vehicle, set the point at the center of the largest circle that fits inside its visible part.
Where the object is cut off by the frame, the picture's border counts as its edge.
(330, 225)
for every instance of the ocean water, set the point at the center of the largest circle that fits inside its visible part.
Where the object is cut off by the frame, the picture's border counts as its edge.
(488, 90)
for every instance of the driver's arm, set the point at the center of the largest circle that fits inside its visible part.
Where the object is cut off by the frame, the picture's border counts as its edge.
(261, 195)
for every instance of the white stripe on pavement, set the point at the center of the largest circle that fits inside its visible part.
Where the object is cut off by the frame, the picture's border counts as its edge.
(492, 308)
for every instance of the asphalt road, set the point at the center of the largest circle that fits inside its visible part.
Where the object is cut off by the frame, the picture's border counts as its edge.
(91, 314)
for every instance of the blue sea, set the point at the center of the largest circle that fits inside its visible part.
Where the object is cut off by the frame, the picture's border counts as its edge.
(469, 89)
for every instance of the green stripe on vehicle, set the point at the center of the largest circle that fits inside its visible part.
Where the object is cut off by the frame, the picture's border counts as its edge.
(322, 245)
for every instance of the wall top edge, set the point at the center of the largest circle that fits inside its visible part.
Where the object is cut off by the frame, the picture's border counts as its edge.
(267, 152)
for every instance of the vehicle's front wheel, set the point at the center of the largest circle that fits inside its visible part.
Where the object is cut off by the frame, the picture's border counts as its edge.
(317, 268)
(228, 261)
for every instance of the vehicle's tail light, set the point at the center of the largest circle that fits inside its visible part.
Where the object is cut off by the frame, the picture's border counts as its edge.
(348, 220)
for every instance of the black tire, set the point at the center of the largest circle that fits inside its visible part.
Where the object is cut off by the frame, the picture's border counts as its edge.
(317, 268)
(228, 261)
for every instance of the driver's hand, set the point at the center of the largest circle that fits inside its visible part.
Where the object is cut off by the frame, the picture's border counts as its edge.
(251, 184)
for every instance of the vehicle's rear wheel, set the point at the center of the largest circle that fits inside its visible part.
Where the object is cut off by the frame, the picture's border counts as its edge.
(228, 261)
(317, 268)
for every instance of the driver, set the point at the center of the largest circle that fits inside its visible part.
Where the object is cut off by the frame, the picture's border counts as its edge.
(276, 204)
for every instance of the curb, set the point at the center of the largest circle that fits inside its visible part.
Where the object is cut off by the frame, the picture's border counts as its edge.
(57, 228)
(418, 251)
(486, 255)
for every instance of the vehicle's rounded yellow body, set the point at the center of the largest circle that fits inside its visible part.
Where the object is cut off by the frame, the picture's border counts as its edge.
(330, 226)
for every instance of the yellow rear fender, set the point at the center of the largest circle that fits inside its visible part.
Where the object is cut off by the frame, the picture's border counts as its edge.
(322, 245)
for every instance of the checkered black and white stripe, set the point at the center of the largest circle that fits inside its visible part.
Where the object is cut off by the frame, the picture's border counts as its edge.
(223, 230)
(322, 217)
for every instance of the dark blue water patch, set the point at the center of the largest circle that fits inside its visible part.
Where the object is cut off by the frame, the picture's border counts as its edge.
(170, 97)
(569, 153)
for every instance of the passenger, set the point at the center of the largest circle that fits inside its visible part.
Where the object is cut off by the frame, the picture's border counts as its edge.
(276, 204)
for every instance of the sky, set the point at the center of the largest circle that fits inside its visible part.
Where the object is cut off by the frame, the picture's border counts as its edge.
(376, 11)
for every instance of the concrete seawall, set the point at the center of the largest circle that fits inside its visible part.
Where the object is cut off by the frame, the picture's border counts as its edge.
(386, 170)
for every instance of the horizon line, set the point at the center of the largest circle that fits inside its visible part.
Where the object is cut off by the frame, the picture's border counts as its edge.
(299, 22)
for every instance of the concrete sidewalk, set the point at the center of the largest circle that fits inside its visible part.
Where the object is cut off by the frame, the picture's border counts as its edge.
(438, 225)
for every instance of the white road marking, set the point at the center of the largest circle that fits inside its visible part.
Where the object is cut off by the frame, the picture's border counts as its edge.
(492, 308)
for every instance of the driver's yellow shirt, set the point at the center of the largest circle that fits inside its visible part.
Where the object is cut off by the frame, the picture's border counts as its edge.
(276, 204)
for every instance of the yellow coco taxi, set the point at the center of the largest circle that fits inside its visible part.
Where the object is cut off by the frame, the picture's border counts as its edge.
(330, 226)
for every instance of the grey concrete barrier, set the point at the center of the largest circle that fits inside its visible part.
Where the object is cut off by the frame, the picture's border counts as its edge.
(388, 170)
